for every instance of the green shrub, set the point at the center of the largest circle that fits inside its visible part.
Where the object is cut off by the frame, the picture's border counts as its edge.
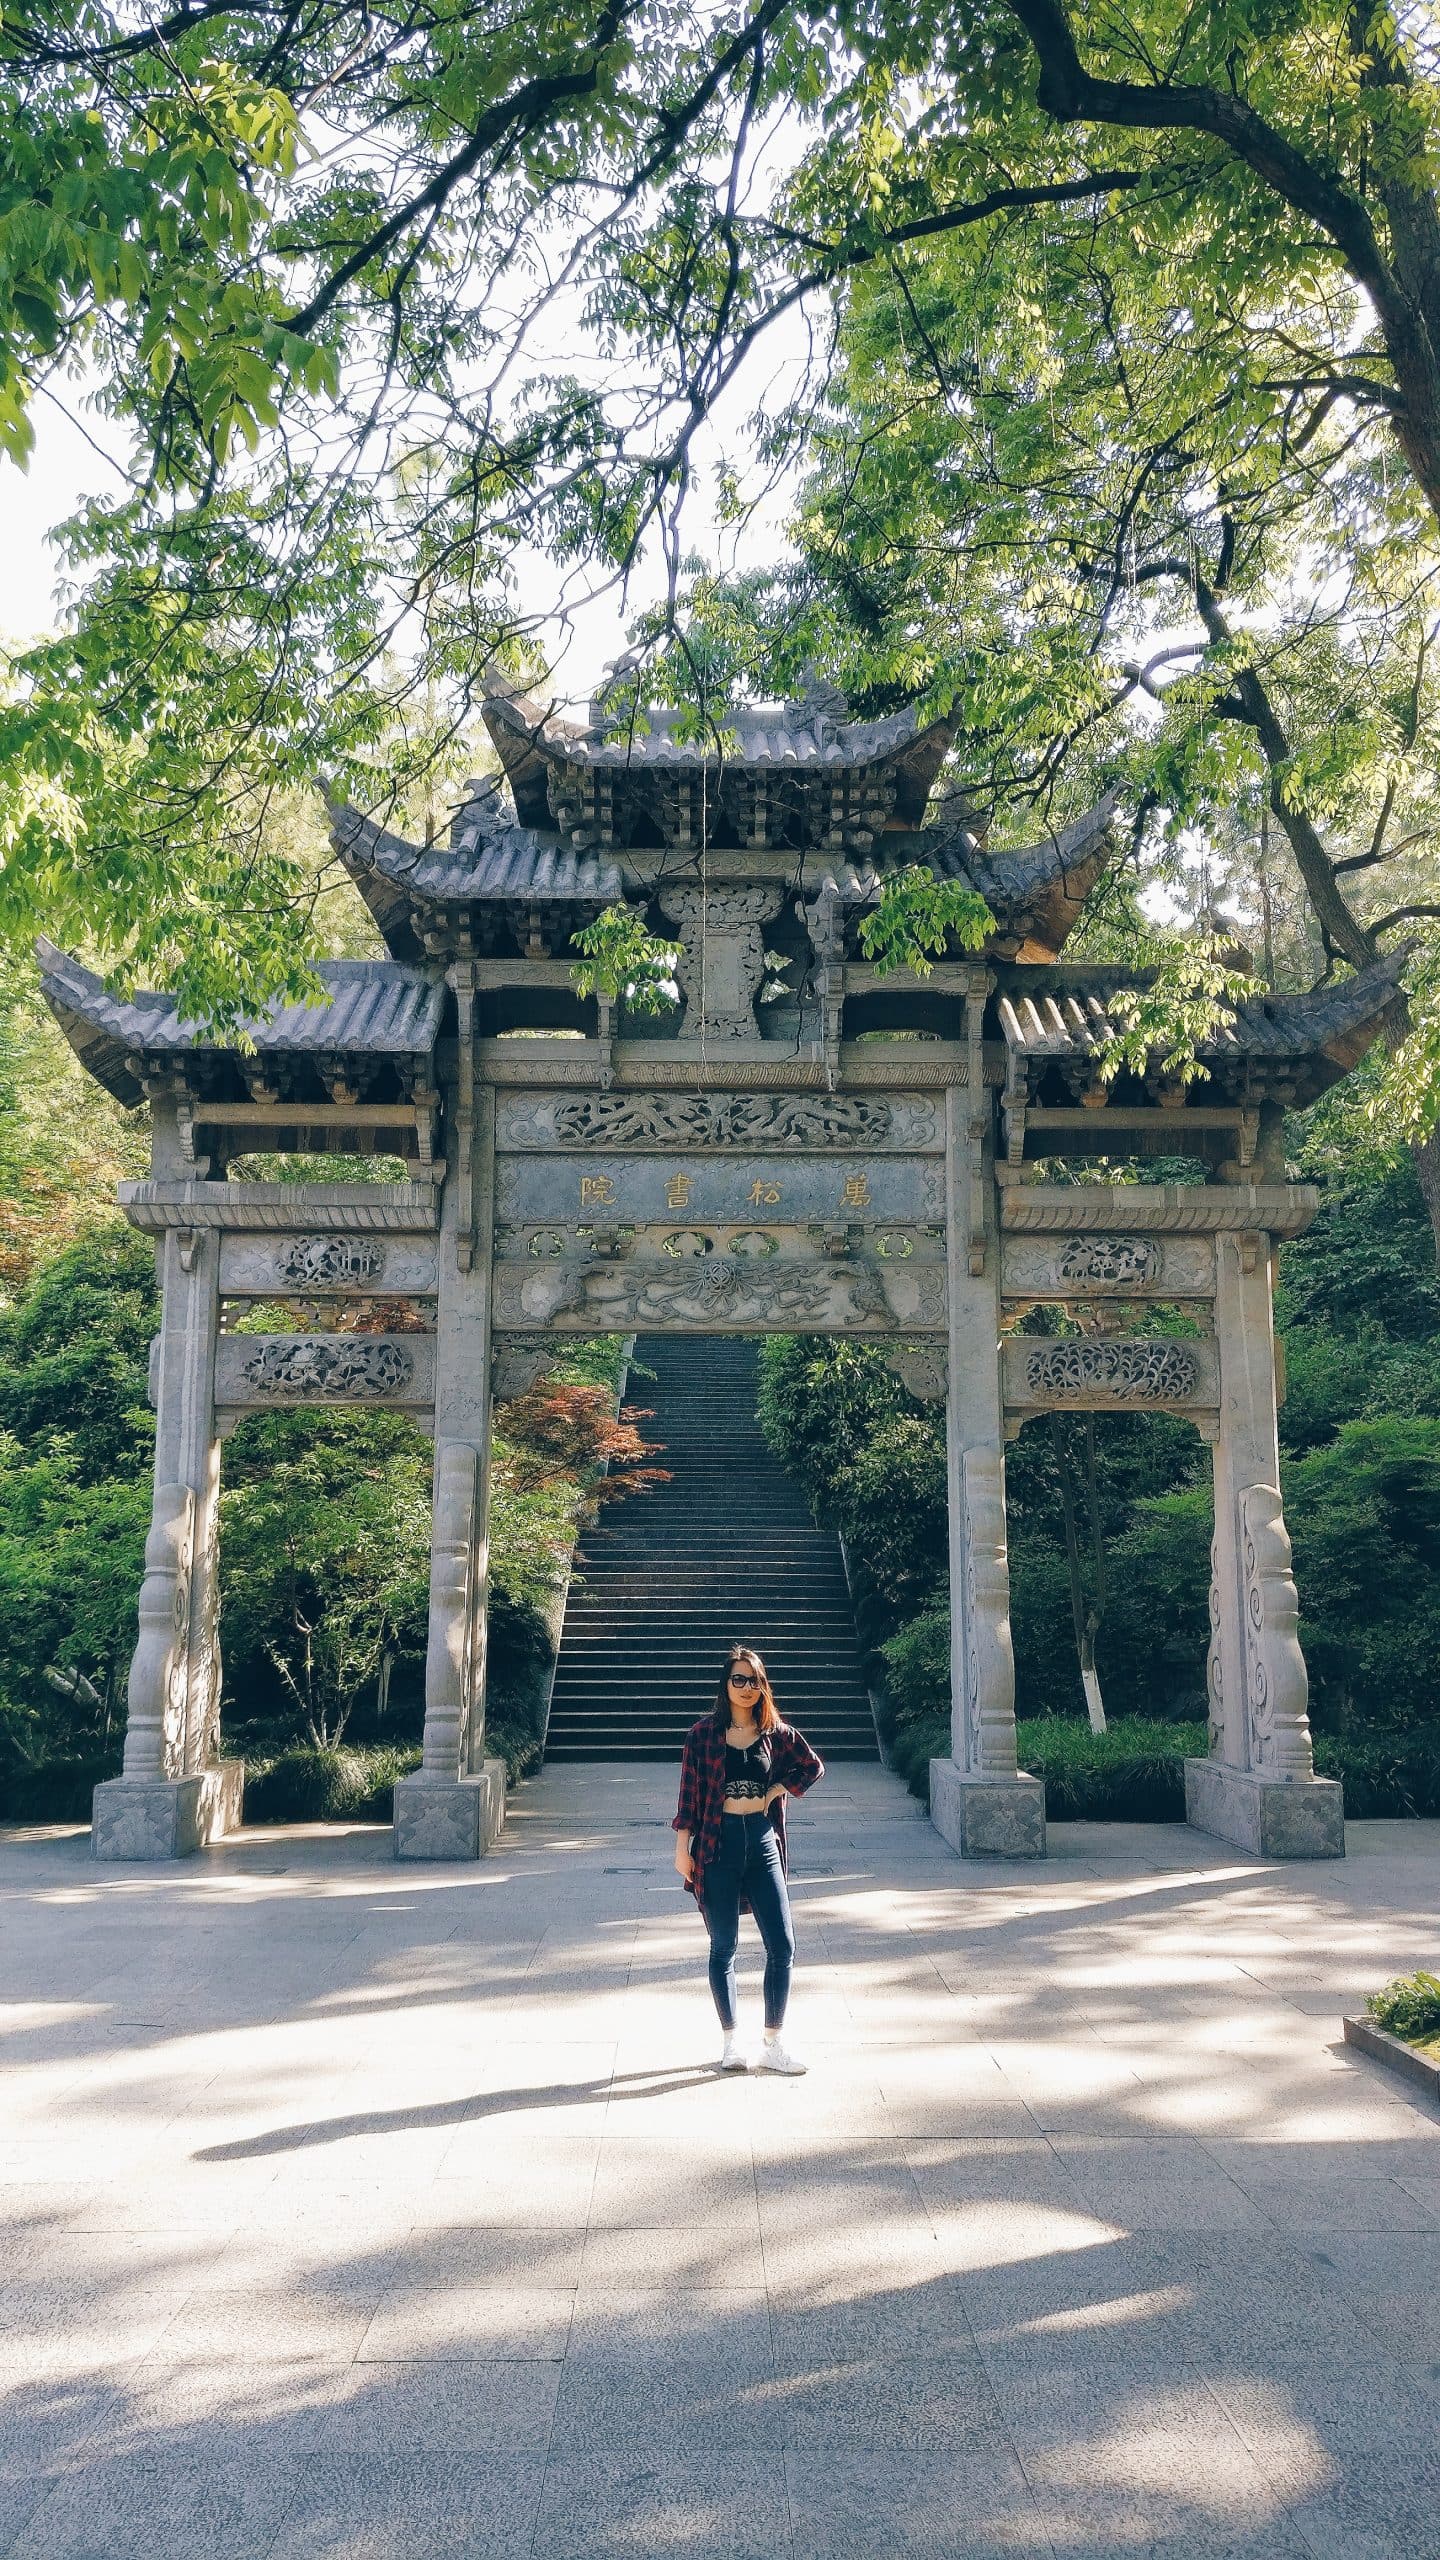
(338, 1785)
(1409, 2007)
(1386, 1775)
(1132, 1773)
(59, 1790)
(1364, 1515)
(912, 1748)
(917, 1668)
(518, 1746)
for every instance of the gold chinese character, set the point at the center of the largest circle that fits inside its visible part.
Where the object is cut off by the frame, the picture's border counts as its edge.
(764, 1195)
(856, 1194)
(678, 1190)
(597, 1191)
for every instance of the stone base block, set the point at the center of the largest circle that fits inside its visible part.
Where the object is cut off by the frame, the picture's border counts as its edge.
(449, 1817)
(987, 1817)
(1272, 1819)
(167, 1817)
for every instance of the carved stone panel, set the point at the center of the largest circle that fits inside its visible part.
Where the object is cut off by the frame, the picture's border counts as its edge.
(1118, 1376)
(324, 1266)
(903, 1123)
(258, 1369)
(713, 1292)
(722, 932)
(1107, 1266)
(739, 1190)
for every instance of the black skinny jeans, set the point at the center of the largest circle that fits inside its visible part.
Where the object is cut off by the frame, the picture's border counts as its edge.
(748, 1861)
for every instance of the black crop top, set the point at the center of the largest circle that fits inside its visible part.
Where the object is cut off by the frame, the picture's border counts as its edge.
(747, 1773)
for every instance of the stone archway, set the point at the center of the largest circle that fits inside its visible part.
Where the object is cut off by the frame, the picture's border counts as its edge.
(853, 1179)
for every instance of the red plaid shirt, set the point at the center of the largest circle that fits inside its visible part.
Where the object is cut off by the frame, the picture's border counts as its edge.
(793, 1765)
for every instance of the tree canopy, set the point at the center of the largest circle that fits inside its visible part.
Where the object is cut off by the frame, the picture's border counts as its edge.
(1121, 436)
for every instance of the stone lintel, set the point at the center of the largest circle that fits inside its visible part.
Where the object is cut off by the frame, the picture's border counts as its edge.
(449, 1817)
(167, 1817)
(756, 1065)
(1271, 1817)
(275, 1208)
(987, 1817)
(1173, 1208)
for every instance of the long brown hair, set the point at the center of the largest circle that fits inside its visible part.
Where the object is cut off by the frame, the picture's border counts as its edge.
(767, 1714)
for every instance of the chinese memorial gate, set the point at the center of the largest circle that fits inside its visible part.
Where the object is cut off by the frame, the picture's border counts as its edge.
(865, 1157)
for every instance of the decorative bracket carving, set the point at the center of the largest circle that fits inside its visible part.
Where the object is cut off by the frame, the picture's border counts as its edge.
(923, 1369)
(189, 1241)
(518, 1359)
(1275, 1674)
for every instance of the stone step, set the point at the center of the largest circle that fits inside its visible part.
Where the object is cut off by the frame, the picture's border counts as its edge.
(725, 1549)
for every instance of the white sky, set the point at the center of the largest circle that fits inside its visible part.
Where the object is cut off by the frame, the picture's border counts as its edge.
(69, 463)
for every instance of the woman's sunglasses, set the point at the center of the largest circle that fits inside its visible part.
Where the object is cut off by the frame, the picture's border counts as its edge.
(743, 1680)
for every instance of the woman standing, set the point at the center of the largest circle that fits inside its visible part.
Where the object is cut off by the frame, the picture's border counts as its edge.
(739, 1766)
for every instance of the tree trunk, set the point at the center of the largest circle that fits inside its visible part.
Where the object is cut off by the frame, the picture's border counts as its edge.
(1426, 1153)
(1084, 1617)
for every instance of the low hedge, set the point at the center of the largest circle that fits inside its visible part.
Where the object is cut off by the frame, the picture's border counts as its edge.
(1384, 1774)
(1134, 1772)
(58, 1791)
(306, 1785)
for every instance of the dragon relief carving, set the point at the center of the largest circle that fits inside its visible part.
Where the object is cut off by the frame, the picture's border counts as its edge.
(310, 1261)
(335, 1368)
(722, 1120)
(1113, 1372)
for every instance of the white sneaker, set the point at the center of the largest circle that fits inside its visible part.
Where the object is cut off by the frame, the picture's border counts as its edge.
(733, 2056)
(776, 2055)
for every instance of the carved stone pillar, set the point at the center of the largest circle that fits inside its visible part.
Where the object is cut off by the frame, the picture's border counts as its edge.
(723, 933)
(454, 1804)
(979, 1801)
(1258, 1787)
(175, 1793)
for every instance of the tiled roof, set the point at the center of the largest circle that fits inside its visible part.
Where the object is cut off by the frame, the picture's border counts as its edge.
(1036, 894)
(1330, 1027)
(487, 857)
(377, 1007)
(752, 733)
(809, 741)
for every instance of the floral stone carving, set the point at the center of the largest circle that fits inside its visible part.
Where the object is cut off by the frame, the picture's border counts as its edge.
(1113, 1372)
(334, 1367)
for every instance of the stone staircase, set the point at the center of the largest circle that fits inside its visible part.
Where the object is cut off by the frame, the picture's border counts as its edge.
(726, 1552)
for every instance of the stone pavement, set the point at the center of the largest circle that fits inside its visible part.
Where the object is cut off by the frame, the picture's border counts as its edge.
(382, 2213)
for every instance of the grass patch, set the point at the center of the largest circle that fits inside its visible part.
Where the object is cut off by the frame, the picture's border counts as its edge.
(1409, 2007)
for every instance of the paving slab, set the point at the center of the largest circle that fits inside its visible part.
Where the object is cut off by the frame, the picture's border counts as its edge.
(344, 2218)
